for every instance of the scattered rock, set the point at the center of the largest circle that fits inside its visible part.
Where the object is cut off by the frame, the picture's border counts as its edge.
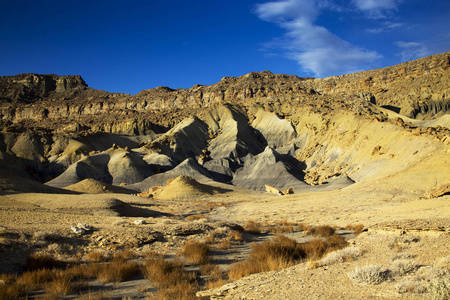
(437, 192)
(77, 230)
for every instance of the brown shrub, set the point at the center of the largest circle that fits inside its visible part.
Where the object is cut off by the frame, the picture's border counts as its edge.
(215, 275)
(84, 271)
(164, 273)
(124, 255)
(235, 235)
(96, 256)
(60, 286)
(252, 227)
(278, 253)
(224, 244)
(302, 227)
(323, 231)
(94, 296)
(152, 254)
(183, 290)
(41, 261)
(282, 252)
(195, 252)
(117, 271)
(357, 228)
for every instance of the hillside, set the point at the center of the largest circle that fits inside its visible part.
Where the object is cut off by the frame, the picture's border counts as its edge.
(371, 147)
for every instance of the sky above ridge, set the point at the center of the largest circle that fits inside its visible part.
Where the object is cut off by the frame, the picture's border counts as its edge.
(128, 46)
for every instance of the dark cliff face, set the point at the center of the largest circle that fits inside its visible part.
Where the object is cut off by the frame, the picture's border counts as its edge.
(417, 89)
(26, 88)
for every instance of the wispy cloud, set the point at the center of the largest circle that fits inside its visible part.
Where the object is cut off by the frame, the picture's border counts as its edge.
(412, 50)
(313, 47)
(386, 27)
(376, 8)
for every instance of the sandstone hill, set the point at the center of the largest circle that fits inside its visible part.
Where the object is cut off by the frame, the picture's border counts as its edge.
(257, 129)
(193, 164)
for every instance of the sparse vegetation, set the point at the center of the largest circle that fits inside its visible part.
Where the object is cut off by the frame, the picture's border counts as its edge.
(282, 252)
(340, 256)
(369, 274)
(41, 261)
(403, 266)
(357, 228)
(171, 279)
(117, 270)
(195, 252)
(252, 227)
(439, 288)
(323, 231)
(96, 256)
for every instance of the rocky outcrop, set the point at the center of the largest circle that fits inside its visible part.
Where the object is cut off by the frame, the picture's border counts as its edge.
(32, 87)
(416, 89)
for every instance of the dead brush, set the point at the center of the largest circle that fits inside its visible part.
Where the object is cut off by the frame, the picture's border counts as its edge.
(357, 228)
(235, 235)
(216, 277)
(195, 252)
(170, 278)
(278, 253)
(282, 252)
(252, 227)
(183, 290)
(224, 244)
(302, 227)
(117, 270)
(96, 256)
(124, 255)
(41, 261)
(60, 286)
(323, 231)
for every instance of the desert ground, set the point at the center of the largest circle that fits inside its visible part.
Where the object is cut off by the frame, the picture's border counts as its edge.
(262, 186)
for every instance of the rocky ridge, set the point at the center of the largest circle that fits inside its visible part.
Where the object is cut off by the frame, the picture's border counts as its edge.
(257, 129)
(415, 89)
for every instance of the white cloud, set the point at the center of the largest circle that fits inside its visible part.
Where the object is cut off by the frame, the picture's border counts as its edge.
(412, 50)
(376, 4)
(386, 27)
(376, 9)
(313, 47)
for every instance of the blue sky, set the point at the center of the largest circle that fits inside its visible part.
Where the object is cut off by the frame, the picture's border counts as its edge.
(128, 46)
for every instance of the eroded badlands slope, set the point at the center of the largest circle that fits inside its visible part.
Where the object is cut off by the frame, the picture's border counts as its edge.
(389, 126)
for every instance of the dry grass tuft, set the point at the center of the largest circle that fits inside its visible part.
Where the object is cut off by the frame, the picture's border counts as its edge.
(282, 252)
(96, 256)
(117, 271)
(95, 296)
(124, 255)
(323, 231)
(403, 266)
(369, 274)
(340, 256)
(357, 228)
(195, 252)
(58, 287)
(41, 261)
(152, 254)
(440, 288)
(302, 227)
(216, 277)
(170, 278)
(224, 244)
(235, 236)
(252, 227)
